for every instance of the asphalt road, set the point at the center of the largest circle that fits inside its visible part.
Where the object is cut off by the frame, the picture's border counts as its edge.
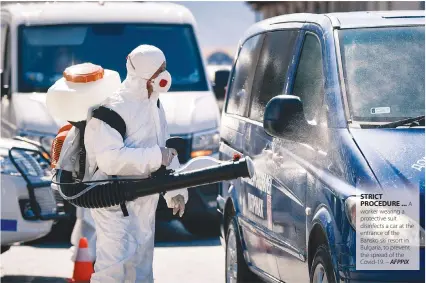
(178, 257)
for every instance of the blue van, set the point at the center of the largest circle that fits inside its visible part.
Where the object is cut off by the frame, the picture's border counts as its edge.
(324, 105)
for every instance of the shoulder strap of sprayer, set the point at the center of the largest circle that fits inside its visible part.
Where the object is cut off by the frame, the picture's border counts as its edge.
(115, 121)
(111, 118)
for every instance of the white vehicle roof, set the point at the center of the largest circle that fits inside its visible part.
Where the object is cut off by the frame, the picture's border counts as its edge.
(97, 12)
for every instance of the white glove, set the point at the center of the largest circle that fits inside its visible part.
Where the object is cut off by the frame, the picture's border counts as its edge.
(178, 204)
(167, 155)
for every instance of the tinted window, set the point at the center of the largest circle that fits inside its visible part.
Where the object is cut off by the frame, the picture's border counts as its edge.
(242, 76)
(271, 72)
(45, 51)
(309, 82)
(384, 71)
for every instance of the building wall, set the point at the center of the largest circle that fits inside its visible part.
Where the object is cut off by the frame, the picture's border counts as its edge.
(271, 9)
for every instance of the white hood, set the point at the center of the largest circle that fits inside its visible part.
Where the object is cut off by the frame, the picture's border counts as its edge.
(190, 112)
(31, 113)
(186, 112)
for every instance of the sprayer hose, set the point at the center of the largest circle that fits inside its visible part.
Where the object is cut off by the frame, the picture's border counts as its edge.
(113, 193)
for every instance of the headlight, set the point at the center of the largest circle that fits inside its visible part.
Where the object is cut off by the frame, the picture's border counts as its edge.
(205, 143)
(350, 207)
(28, 163)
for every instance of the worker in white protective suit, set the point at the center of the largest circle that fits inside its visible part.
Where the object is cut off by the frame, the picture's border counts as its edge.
(125, 244)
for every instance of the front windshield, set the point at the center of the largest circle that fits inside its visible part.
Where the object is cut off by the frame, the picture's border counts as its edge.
(45, 52)
(384, 71)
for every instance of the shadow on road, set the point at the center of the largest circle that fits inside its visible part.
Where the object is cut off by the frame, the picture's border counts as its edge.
(31, 279)
(49, 245)
(167, 234)
(174, 234)
(194, 243)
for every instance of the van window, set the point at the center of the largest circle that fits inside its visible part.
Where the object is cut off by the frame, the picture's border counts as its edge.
(309, 81)
(242, 76)
(271, 72)
(45, 51)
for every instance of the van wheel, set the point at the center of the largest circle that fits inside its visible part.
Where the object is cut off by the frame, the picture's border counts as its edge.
(322, 267)
(236, 268)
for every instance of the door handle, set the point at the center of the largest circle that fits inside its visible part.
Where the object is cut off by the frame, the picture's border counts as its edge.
(267, 152)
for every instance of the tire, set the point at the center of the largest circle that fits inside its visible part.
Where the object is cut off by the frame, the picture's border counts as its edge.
(322, 266)
(236, 268)
(4, 248)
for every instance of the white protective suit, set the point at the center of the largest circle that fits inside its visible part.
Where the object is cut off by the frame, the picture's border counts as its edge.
(125, 245)
(84, 227)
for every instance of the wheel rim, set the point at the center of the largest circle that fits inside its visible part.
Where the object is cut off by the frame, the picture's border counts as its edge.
(231, 258)
(320, 276)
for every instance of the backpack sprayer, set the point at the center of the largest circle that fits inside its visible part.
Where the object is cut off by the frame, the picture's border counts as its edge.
(111, 192)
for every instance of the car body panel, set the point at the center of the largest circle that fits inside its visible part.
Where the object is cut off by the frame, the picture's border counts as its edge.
(14, 228)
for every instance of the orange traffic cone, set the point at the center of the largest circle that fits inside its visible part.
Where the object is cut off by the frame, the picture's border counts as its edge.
(83, 267)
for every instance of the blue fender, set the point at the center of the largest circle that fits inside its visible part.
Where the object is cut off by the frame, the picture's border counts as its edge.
(324, 218)
(233, 197)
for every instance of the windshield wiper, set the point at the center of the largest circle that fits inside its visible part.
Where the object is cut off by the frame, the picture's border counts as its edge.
(415, 120)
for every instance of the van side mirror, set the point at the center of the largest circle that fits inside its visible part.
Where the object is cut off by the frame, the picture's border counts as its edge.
(220, 81)
(284, 118)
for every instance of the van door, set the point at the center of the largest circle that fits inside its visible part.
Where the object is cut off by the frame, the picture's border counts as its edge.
(235, 113)
(291, 159)
(270, 80)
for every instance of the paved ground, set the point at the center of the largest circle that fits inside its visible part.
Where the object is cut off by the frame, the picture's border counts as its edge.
(178, 257)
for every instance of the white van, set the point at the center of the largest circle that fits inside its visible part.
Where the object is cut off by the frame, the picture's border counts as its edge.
(40, 40)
